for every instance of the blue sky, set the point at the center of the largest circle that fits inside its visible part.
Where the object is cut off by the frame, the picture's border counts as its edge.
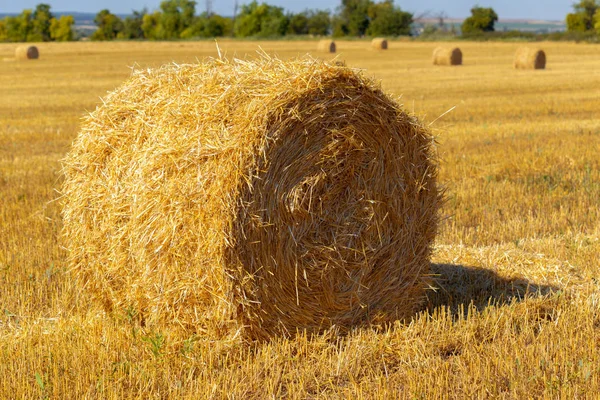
(530, 9)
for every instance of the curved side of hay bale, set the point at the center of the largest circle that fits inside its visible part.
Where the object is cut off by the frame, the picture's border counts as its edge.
(326, 46)
(379, 43)
(27, 53)
(447, 56)
(195, 205)
(528, 58)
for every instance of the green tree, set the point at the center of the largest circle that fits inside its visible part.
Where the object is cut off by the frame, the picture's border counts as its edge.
(597, 21)
(217, 25)
(352, 18)
(583, 19)
(388, 20)
(132, 26)
(36, 26)
(575, 23)
(175, 19)
(481, 20)
(319, 22)
(20, 28)
(298, 24)
(42, 18)
(176, 16)
(208, 26)
(3, 32)
(338, 26)
(61, 30)
(150, 26)
(312, 22)
(260, 20)
(109, 26)
(10, 29)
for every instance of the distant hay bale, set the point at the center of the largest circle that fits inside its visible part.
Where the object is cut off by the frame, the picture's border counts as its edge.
(188, 202)
(447, 56)
(27, 53)
(379, 43)
(528, 58)
(327, 46)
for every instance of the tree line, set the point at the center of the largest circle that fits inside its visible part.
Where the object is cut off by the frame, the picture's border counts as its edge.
(38, 25)
(177, 19)
(585, 18)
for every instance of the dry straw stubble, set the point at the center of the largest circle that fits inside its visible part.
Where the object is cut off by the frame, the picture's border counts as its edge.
(258, 197)
(27, 53)
(379, 43)
(530, 58)
(327, 46)
(447, 56)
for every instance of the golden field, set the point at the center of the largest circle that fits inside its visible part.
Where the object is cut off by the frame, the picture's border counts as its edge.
(516, 310)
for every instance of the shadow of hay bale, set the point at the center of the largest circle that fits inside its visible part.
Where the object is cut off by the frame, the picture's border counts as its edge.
(459, 285)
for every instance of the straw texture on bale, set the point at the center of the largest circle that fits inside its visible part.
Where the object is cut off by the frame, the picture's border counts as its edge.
(327, 46)
(27, 53)
(447, 56)
(379, 43)
(259, 197)
(528, 58)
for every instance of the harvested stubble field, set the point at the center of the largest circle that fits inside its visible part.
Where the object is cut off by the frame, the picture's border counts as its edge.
(516, 310)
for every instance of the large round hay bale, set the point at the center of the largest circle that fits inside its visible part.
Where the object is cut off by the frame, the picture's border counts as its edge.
(447, 56)
(379, 43)
(327, 46)
(263, 197)
(27, 53)
(528, 58)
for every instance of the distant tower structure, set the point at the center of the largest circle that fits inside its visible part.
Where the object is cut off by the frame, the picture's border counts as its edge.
(208, 8)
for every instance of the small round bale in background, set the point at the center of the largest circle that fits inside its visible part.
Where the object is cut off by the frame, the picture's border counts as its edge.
(327, 46)
(529, 58)
(447, 56)
(27, 53)
(379, 43)
(191, 204)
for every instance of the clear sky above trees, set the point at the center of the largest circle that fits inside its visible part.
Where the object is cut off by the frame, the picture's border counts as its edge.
(530, 9)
